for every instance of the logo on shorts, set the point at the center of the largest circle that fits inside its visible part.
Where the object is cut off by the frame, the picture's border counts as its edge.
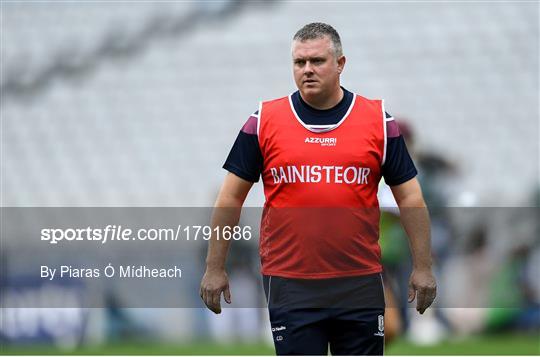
(277, 329)
(380, 320)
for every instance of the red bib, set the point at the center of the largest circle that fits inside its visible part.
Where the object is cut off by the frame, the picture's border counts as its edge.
(321, 215)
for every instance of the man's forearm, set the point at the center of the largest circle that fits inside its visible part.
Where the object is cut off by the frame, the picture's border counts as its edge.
(218, 248)
(415, 219)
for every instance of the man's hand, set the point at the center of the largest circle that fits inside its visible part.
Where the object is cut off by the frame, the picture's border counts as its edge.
(422, 285)
(215, 282)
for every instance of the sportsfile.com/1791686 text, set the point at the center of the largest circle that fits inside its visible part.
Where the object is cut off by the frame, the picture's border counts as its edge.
(122, 234)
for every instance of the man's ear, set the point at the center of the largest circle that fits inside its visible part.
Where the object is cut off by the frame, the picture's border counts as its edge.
(341, 63)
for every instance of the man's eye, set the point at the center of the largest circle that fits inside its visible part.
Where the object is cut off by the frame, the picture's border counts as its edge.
(300, 63)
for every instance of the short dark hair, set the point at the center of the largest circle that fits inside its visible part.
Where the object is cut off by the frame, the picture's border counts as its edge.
(317, 30)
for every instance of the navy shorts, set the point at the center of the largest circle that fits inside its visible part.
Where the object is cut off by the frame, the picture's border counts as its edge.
(308, 316)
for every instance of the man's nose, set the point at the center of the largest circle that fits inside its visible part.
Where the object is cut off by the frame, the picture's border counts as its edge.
(308, 68)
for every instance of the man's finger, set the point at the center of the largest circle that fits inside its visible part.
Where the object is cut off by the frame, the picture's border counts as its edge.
(203, 295)
(215, 301)
(430, 297)
(215, 309)
(227, 295)
(211, 306)
(208, 301)
(205, 298)
(411, 293)
(421, 301)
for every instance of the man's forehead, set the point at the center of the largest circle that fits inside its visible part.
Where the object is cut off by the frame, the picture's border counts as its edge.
(312, 48)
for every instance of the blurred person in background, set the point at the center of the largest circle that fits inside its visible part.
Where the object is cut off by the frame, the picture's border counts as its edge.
(322, 146)
(494, 284)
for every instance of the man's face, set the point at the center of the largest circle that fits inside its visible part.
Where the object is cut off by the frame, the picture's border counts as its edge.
(316, 69)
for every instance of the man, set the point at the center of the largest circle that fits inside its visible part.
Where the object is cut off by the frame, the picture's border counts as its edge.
(321, 153)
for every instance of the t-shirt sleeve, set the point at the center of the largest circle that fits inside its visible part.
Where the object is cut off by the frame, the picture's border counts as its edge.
(398, 167)
(245, 158)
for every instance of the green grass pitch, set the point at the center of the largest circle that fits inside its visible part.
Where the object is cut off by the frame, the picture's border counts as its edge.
(507, 344)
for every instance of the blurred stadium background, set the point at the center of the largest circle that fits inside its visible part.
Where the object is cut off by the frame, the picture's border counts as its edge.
(137, 103)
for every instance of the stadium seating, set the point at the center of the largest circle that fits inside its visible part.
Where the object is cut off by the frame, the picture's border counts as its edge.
(138, 105)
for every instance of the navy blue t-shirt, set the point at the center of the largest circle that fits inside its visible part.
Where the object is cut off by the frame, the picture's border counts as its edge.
(245, 159)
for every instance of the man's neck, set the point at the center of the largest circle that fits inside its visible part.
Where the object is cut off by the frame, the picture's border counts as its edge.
(326, 102)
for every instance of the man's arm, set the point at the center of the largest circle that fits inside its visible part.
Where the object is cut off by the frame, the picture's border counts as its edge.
(415, 219)
(227, 210)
